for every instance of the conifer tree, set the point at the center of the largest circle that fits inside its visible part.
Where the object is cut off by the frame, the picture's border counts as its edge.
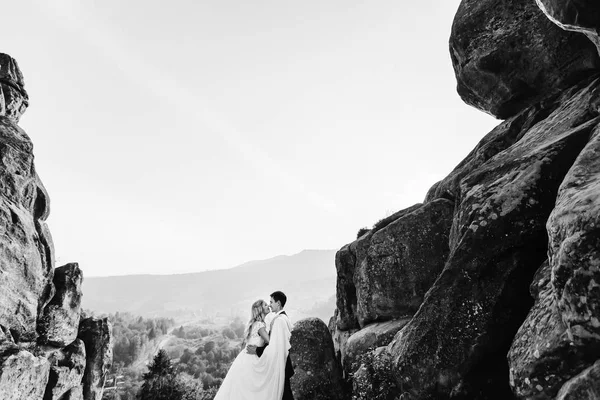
(160, 382)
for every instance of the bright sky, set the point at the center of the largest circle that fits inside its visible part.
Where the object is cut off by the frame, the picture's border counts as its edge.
(203, 134)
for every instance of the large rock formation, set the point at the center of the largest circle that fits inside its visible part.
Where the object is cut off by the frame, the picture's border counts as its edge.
(507, 55)
(509, 305)
(26, 247)
(455, 344)
(40, 356)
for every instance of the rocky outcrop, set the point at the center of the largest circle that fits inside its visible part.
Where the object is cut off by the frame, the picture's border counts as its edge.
(510, 307)
(60, 321)
(317, 373)
(40, 356)
(576, 15)
(525, 197)
(507, 55)
(96, 335)
(457, 342)
(26, 247)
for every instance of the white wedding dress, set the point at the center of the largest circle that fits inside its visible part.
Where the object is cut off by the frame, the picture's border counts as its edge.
(254, 378)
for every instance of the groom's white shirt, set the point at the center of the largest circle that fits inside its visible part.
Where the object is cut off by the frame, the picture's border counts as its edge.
(268, 320)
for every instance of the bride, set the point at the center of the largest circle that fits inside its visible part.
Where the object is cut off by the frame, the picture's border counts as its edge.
(251, 377)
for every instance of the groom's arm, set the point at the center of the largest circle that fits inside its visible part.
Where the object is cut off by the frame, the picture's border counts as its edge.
(251, 349)
(259, 350)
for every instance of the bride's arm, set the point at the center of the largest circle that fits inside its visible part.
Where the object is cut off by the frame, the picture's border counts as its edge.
(263, 334)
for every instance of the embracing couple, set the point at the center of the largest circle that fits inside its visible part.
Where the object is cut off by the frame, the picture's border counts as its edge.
(262, 371)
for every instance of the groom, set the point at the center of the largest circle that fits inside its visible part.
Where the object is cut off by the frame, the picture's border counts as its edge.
(278, 300)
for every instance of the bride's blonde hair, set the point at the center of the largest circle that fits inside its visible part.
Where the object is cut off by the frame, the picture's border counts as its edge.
(257, 314)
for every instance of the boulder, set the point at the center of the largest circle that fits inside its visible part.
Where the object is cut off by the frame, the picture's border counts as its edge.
(318, 375)
(66, 372)
(585, 386)
(347, 260)
(97, 337)
(371, 336)
(507, 55)
(456, 343)
(13, 97)
(60, 320)
(574, 15)
(542, 356)
(22, 374)
(403, 260)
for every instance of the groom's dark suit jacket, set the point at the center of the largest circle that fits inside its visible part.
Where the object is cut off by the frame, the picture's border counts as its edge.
(289, 371)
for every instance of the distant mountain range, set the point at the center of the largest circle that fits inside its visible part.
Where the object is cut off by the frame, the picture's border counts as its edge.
(307, 278)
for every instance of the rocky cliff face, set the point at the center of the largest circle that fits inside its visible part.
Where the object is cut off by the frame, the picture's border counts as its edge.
(491, 287)
(41, 356)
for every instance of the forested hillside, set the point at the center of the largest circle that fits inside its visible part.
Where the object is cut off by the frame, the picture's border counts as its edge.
(200, 352)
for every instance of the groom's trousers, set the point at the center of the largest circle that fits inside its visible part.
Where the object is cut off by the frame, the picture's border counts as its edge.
(287, 388)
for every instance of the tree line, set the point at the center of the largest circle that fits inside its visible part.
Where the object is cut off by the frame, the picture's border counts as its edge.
(198, 359)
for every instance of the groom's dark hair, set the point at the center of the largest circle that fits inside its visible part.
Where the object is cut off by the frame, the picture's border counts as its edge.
(280, 297)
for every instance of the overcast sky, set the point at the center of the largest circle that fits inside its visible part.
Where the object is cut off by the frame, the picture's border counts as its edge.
(183, 136)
